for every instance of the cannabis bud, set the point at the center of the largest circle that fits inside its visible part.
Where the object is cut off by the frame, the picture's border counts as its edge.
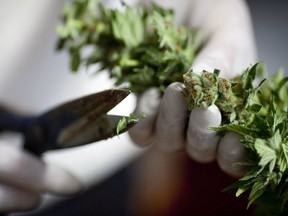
(208, 89)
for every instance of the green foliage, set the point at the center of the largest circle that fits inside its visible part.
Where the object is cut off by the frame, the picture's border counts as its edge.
(143, 48)
(126, 122)
(140, 47)
(259, 114)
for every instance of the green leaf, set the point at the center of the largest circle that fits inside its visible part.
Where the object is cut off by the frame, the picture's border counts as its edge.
(75, 61)
(128, 27)
(241, 191)
(255, 107)
(275, 141)
(233, 116)
(62, 31)
(122, 125)
(127, 122)
(165, 33)
(267, 154)
(285, 151)
(281, 84)
(248, 77)
(251, 174)
(240, 129)
(236, 185)
(257, 190)
(283, 157)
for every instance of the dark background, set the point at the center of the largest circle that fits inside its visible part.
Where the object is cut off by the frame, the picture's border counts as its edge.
(270, 19)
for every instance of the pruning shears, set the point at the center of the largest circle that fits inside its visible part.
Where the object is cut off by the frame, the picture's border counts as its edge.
(75, 123)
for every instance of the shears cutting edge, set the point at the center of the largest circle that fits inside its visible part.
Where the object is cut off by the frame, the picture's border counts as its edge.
(75, 123)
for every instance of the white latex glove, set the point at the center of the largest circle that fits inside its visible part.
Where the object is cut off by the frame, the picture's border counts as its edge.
(24, 177)
(229, 46)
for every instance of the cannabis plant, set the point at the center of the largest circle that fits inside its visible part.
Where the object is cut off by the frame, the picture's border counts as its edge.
(259, 114)
(143, 48)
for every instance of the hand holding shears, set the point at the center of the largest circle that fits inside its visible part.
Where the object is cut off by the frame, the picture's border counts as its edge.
(78, 122)
(23, 176)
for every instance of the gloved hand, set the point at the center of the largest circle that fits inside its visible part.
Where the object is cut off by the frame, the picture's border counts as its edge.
(24, 177)
(226, 28)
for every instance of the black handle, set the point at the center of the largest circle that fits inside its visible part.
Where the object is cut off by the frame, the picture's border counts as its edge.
(27, 125)
(11, 121)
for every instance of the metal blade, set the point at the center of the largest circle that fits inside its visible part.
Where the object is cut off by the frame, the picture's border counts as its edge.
(86, 130)
(80, 114)
(98, 103)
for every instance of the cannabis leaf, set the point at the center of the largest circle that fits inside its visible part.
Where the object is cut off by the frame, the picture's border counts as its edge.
(129, 27)
(126, 122)
(267, 154)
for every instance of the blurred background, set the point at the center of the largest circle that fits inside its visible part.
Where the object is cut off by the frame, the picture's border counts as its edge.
(271, 32)
(106, 198)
